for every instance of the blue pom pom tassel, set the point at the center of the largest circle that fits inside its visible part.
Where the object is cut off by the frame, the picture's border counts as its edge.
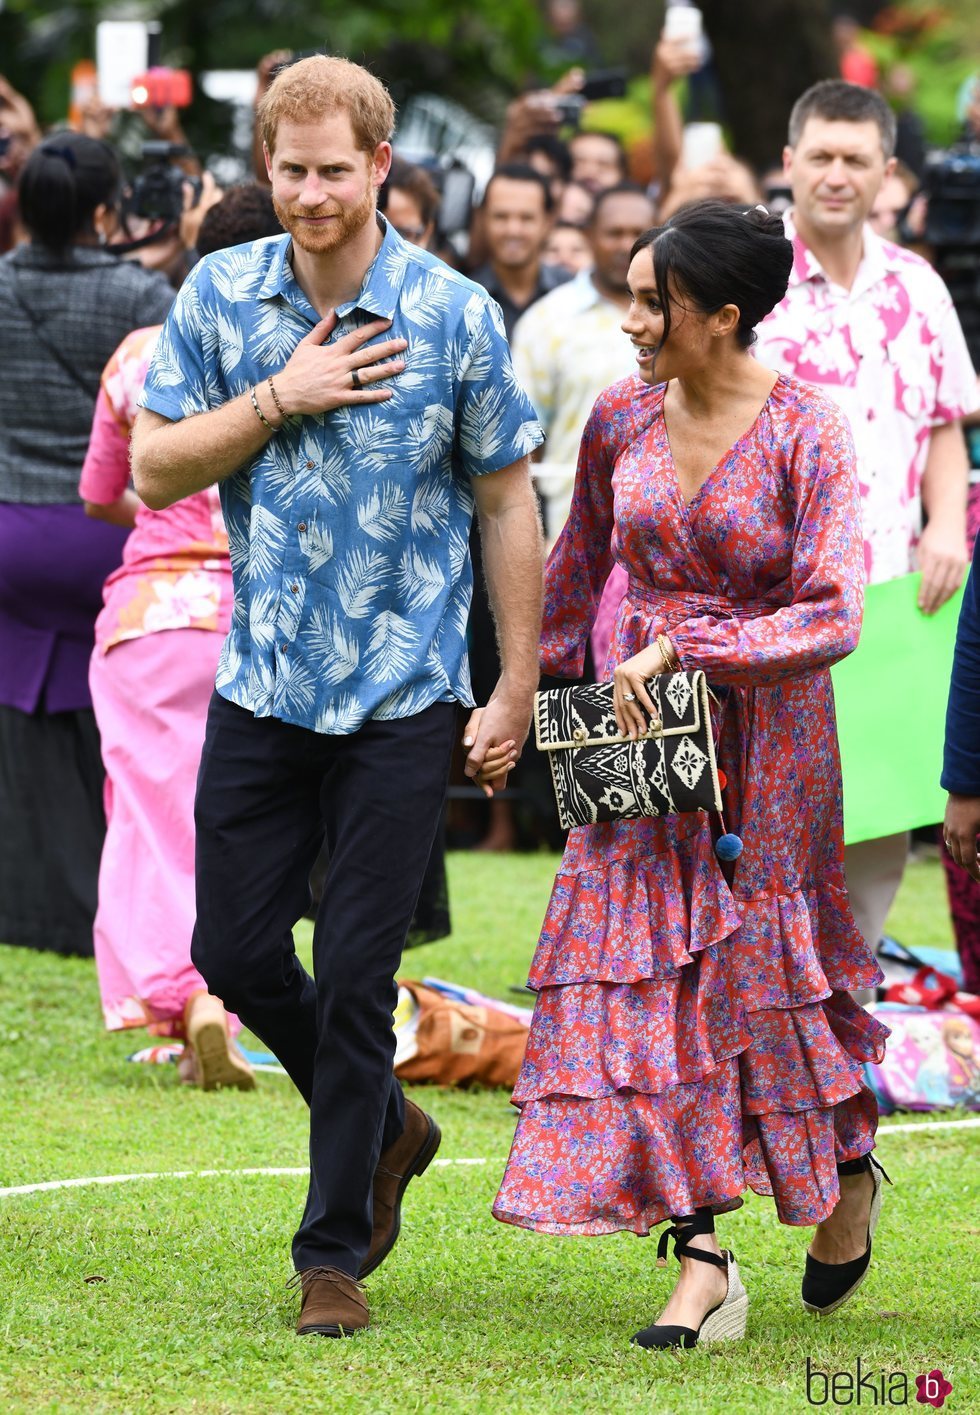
(728, 847)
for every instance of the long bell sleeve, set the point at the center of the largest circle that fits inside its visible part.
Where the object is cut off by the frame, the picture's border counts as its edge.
(822, 621)
(581, 560)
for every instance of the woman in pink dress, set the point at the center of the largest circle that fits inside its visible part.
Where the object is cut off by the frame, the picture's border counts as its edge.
(694, 1035)
(166, 612)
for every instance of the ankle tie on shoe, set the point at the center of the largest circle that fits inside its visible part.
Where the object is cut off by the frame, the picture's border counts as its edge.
(862, 1165)
(687, 1226)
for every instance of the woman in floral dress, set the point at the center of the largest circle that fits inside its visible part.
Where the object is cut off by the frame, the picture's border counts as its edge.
(694, 1034)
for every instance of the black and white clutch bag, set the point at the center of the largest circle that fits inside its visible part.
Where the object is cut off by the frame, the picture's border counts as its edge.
(599, 775)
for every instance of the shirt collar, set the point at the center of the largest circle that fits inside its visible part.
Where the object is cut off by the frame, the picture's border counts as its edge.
(875, 259)
(378, 295)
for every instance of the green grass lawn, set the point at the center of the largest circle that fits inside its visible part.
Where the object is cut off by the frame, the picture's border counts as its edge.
(169, 1295)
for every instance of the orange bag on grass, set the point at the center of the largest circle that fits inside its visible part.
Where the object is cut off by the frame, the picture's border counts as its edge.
(458, 1044)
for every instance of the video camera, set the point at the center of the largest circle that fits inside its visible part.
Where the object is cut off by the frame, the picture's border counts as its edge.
(157, 193)
(952, 185)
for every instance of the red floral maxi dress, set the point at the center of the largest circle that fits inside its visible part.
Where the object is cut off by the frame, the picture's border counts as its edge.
(692, 1038)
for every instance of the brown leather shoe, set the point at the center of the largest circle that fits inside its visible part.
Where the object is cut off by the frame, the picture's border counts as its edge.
(333, 1303)
(409, 1155)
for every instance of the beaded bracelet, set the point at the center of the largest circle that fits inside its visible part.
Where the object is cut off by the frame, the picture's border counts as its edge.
(258, 411)
(275, 397)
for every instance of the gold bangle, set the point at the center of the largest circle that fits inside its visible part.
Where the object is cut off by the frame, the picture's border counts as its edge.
(258, 411)
(275, 397)
(667, 653)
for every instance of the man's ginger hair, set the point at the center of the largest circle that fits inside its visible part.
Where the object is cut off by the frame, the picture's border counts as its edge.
(311, 88)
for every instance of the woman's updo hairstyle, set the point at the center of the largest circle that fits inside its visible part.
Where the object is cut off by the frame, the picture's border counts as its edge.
(717, 254)
(63, 182)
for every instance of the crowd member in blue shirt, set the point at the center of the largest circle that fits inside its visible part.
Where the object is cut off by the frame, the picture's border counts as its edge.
(353, 397)
(961, 757)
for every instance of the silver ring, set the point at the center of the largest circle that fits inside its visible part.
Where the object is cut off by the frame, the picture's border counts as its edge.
(355, 379)
(629, 697)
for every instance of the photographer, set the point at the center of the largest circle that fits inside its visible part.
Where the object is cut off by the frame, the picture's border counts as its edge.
(65, 304)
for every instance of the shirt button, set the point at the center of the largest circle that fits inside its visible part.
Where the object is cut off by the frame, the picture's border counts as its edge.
(310, 466)
(283, 648)
(294, 589)
(301, 526)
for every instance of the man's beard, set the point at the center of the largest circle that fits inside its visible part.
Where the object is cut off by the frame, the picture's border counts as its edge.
(347, 224)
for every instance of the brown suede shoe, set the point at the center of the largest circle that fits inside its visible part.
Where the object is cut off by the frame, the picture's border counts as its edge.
(409, 1155)
(333, 1303)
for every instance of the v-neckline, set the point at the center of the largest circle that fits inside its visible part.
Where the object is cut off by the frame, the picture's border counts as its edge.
(725, 457)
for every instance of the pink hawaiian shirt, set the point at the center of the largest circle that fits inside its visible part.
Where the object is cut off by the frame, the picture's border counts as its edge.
(891, 353)
(175, 572)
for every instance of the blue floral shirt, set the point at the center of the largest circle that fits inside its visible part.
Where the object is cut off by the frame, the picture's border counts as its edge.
(349, 531)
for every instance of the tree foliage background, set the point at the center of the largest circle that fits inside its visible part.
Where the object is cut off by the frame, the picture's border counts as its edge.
(482, 52)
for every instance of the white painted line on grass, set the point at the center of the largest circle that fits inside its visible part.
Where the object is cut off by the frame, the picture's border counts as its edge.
(928, 1125)
(88, 1180)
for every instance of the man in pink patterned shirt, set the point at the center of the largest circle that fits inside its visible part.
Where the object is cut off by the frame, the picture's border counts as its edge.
(874, 327)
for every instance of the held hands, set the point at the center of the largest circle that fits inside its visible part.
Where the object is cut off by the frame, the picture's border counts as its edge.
(961, 826)
(319, 378)
(635, 713)
(495, 736)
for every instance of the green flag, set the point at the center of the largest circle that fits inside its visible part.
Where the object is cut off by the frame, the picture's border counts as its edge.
(891, 712)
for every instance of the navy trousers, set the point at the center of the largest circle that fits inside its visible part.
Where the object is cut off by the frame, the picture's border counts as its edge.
(268, 794)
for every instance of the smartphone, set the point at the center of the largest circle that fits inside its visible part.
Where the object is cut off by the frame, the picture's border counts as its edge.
(701, 143)
(122, 52)
(683, 22)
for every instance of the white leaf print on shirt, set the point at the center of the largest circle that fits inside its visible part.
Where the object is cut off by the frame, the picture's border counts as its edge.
(420, 581)
(371, 438)
(235, 277)
(426, 302)
(335, 481)
(360, 578)
(482, 425)
(333, 647)
(319, 547)
(296, 684)
(267, 542)
(343, 715)
(383, 513)
(276, 332)
(232, 343)
(428, 436)
(391, 648)
(430, 507)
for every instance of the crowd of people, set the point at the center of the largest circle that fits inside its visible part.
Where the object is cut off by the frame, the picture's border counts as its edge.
(343, 426)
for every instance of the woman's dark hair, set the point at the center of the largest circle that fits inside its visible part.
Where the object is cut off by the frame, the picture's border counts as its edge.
(62, 183)
(717, 254)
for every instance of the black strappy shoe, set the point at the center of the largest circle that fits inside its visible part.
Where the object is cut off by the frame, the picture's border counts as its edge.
(827, 1286)
(724, 1322)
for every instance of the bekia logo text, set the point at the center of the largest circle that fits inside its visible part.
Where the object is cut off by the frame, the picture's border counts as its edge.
(865, 1387)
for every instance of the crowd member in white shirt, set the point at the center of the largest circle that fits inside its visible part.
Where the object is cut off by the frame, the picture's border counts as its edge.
(874, 327)
(570, 345)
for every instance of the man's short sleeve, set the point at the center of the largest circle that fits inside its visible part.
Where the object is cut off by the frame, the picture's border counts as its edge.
(495, 420)
(177, 382)
(956, 380)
